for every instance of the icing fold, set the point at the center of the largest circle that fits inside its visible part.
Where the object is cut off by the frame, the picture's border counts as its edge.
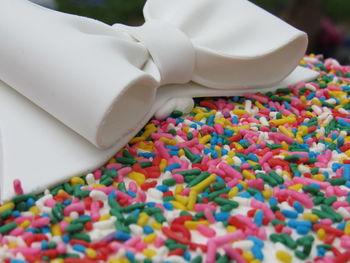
(81, 78)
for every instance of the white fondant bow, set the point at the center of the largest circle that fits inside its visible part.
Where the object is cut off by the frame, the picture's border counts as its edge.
(105, 82)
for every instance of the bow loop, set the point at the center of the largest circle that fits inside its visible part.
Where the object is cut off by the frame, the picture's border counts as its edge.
(170, 50)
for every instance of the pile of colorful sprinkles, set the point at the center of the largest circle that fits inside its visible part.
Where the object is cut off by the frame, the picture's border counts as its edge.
(259, 178)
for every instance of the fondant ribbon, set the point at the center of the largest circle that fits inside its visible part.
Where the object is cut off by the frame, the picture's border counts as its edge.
(105, 82)
(100, 80)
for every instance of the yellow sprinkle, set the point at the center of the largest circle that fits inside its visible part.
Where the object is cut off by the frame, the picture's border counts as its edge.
(290, 119)
(181, 199)
(233, 192)
(267, 194)
(319, 177)
(295, 187)
(328, 140)
(57, 260)
(248, 175)
(12, 245)
(286, 173)
(259, 105)
(218, 149)
(25, 224)
(204, 184)
(231, 154)
(178, 189)
(181, 152)
(143, 219)
(194, 224)
(192, 200)
(303, 100)
(347, 228)
(231, 228)
(286, 131)
(186, 129)
(77, 180)
(205, 139)
(347, 153)
(283, 256)
(299, 138)
(229, 161)
(112, 160)
(302, 130)
(155, 225)
(149, 253)
(238, 146)
(105, 217)
(91, 253)
(163, 164)
(252, 163)
(67, 219)
(97, 185)
(35, 210)
(321, 234)
(150, 238)
(244, 184)
(247, 256)
(285, 146)
(56, 230)
(139, 178)
(178, 205)
(168, 141)
(310, 217)
(199, 116)
(255, 261)
(239, 112)
(149, 129)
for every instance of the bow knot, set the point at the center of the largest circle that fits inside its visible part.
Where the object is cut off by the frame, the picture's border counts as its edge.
(170, 49)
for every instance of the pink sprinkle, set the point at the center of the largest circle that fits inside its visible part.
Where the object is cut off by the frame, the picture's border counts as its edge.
(61, 248)
(124, 171)
(266, 157)
(159, 242)
(202, 207)
(76, 207)
(206, 231)
(338, 204)
(141, 246)
(97, 174)
(345, 242)
(17, 186)
(210, 258)
(114, 166)
(44, 221)
(230, 171)
(179, 178)
(230, 237)
(50, 202)
(132, 241)
(25, 250)
(17, 231)
(234, 254)
(219, 129)
(209, 215)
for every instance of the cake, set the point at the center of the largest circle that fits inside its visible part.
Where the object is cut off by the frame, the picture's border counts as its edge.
(256, 178)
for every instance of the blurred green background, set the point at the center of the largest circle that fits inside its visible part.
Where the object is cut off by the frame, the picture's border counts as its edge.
(327, 22)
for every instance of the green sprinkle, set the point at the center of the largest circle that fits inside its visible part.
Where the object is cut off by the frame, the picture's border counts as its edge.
(72, 228)
(337, 181)
(8, 227)
(169, 182)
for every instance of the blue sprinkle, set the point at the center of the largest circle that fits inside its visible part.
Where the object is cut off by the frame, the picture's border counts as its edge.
(259, 197)
(148, 230)
(187, 255)
(44, 245)
(343, 123)
(65, 239)
(245, 195)
(122, 236)
(234, 120)
(163, 188)
(45, 230)
(224, 152)
(174, 153)
(289, 214)
(257, 252)
(214, 154)
(340, 141)
(172, 147)
(239, 186)
(341, 225)
(258, 218)
(228, 132)
(131, 193)
(172, 167)
(321, 252)
(298, 207)
(151, 204)
(67, 202)
(30, 202)
(112, 194)
(146, 155)
(14, 260)
(296, 223)
(206, 151)
(130, 256)
(168, 206)
(222, 216)
(253, 157)
(79, 248)
(273, 201)
(302, 230)
(256, 241)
